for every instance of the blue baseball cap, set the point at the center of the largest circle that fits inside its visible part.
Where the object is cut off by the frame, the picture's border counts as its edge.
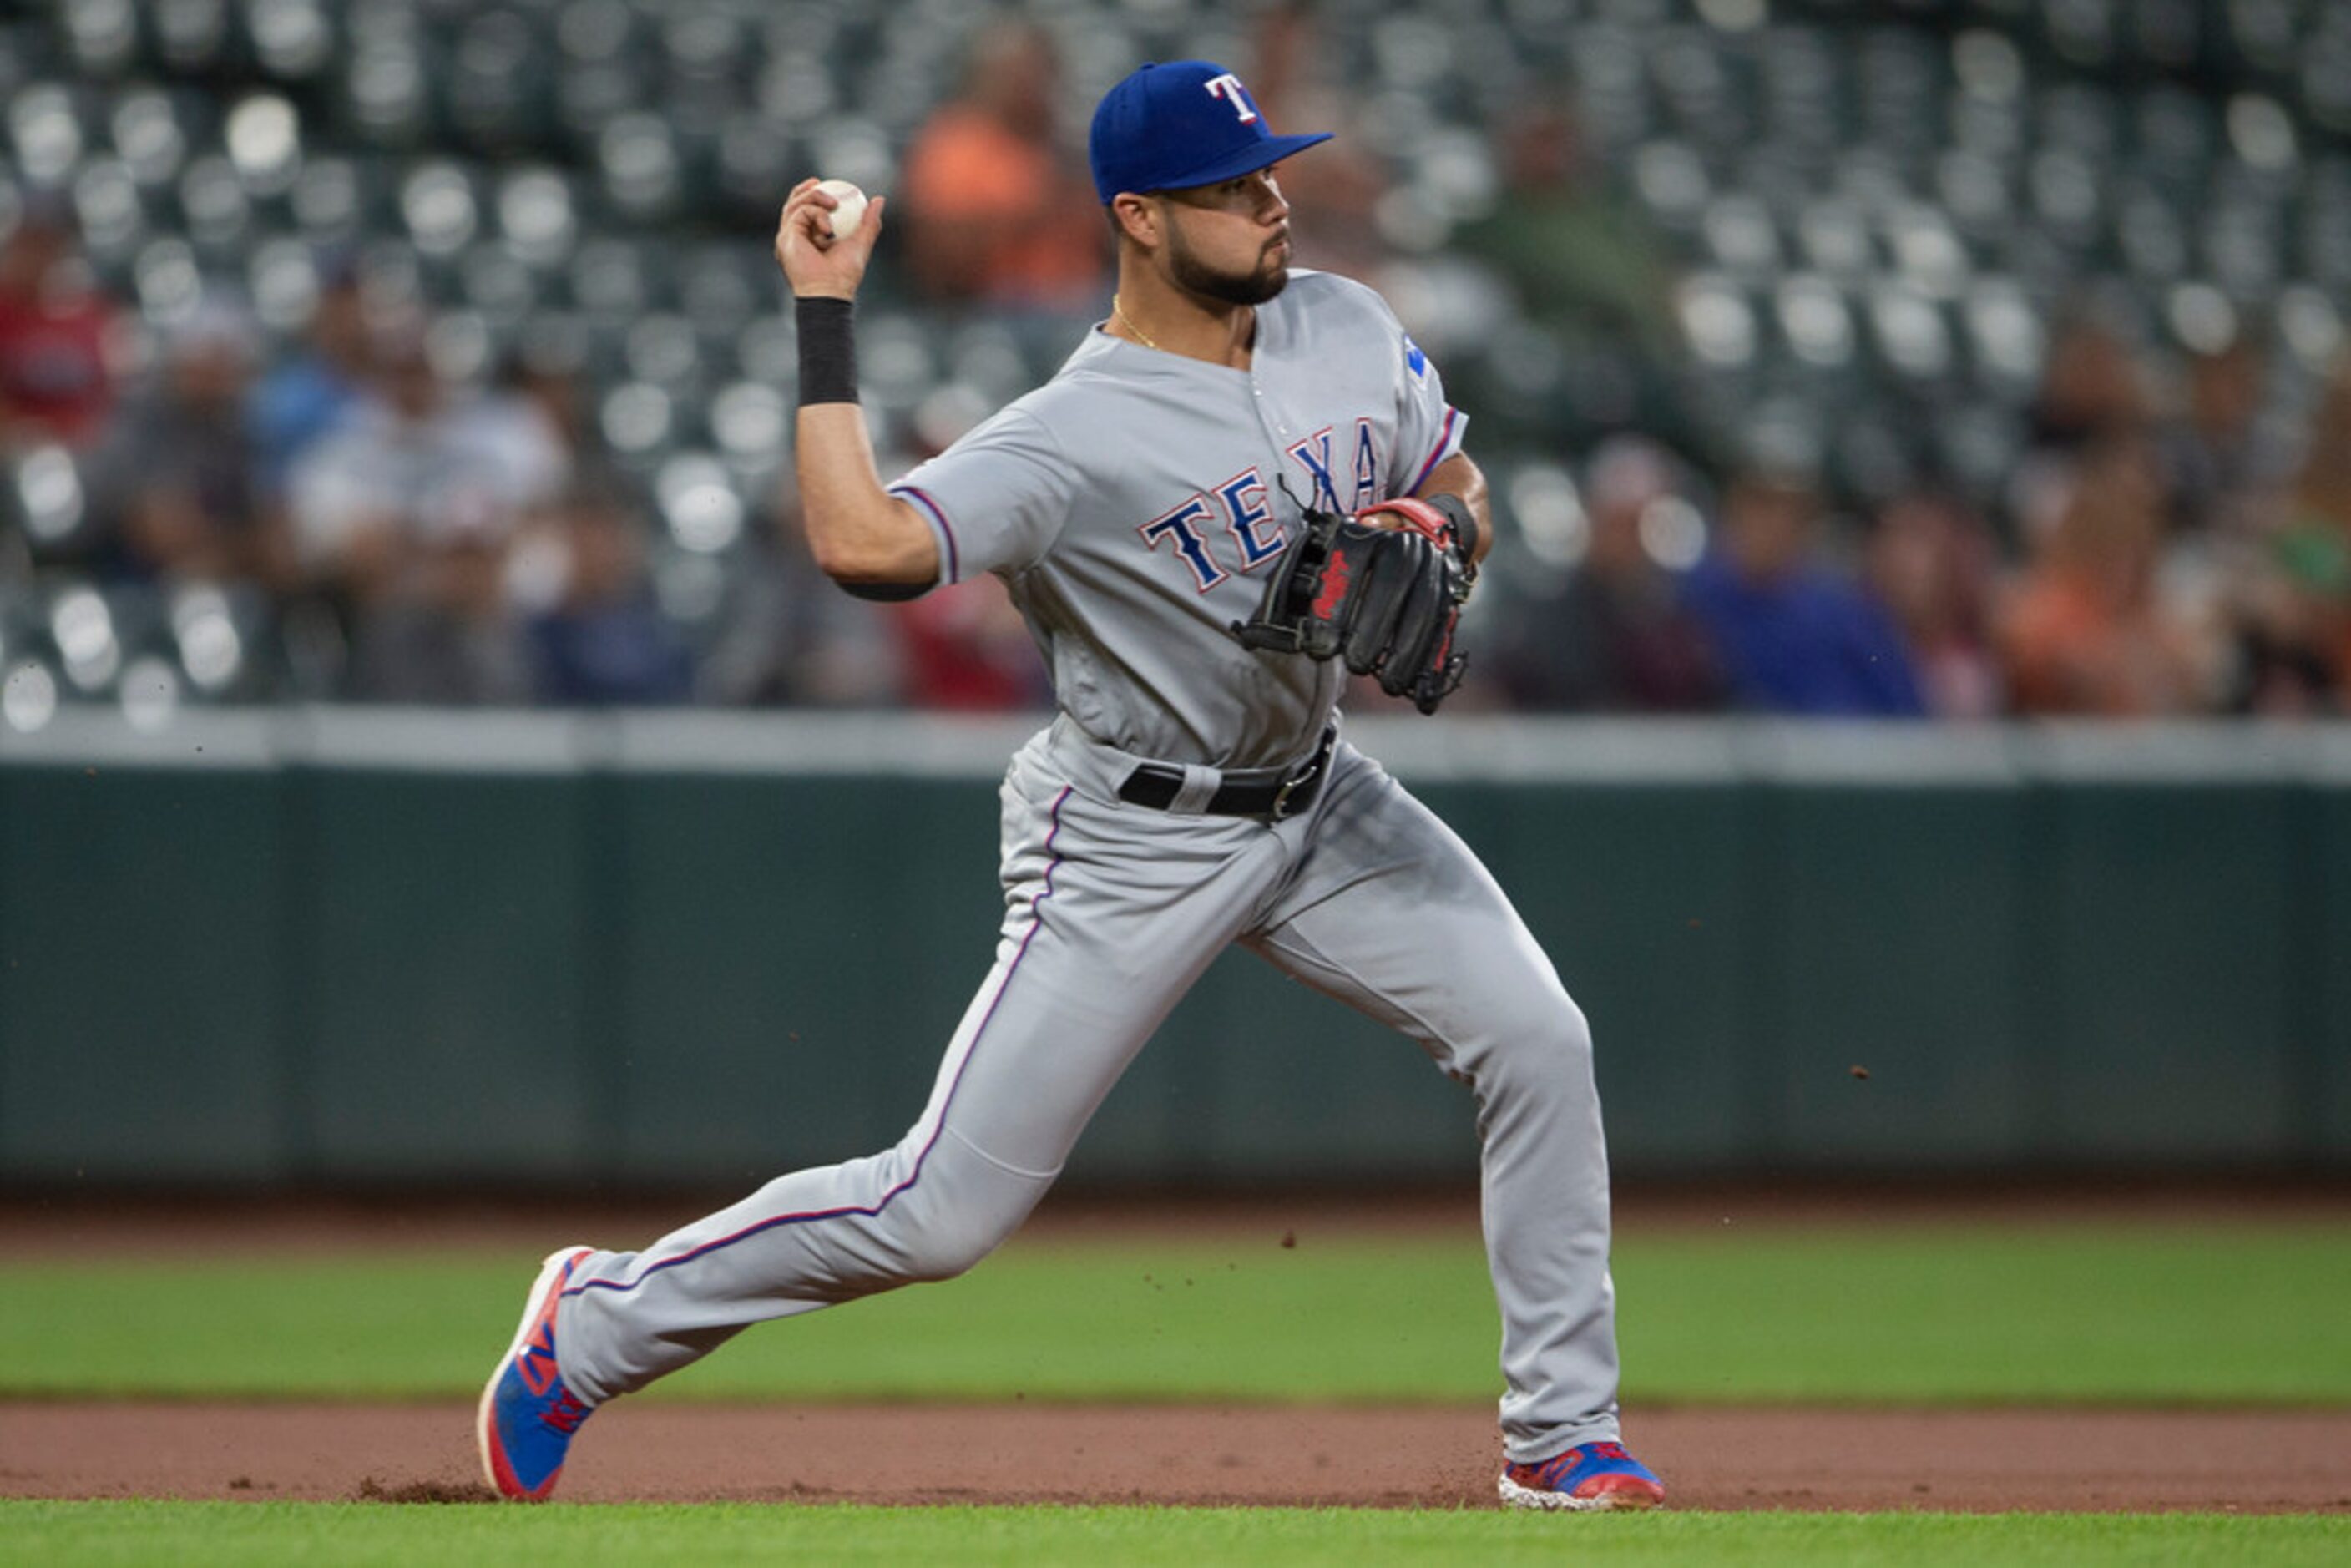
(1187, 122)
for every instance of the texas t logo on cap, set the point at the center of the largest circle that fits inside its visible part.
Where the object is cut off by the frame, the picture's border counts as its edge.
(1228, 86)
(1184, 123)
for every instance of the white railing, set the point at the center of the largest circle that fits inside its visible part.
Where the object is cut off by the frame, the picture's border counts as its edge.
(1468, 748)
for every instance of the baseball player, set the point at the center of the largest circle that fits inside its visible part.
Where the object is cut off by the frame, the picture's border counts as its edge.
(1243, 484)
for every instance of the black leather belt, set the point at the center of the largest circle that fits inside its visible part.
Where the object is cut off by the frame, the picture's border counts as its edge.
(1275, 792)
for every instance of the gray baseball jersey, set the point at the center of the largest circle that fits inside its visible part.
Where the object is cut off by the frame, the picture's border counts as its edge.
(1132, 505)
(1134, 502)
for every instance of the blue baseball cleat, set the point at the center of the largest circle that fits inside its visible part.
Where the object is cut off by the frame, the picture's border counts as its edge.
(1595, 1475)
(527, 1416)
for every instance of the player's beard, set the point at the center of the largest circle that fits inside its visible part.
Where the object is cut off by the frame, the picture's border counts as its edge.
(1192, 274)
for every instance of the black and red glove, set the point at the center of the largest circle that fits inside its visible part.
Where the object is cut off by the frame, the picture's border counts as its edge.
(1382, 589)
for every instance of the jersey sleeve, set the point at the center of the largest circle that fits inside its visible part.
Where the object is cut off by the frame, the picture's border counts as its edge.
(1428, 429)
(995, 500)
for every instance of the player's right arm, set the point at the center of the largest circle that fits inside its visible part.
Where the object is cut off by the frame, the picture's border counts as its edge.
(864, 538)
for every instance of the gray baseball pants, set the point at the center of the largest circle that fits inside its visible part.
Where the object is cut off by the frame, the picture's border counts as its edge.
(1113, 911)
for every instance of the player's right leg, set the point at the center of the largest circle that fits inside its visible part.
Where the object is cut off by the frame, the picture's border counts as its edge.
(1393, 913)
(1112, 913)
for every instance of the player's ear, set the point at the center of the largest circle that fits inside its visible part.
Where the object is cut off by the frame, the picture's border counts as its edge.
(1134, 218)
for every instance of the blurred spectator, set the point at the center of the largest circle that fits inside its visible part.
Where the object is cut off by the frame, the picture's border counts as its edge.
(530, 422)
(995, 210)
(604, 639)
(402, 518)
(1794, 636)
(2291, 638)
(55, 383)
(1585, 265)
(1612, 635)
(1931, 561)
(408, 464)
(2295, 624)
(2086, 631)
(176, 473)
(967, 649)
(307, 393)
(2090, 386)
(446, 634)
(2212, 458)
(564, 397)
(783, 634)
(1334, 206)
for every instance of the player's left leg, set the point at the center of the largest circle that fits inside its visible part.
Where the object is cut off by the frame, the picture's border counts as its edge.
(1110, 913)
(1390, 912)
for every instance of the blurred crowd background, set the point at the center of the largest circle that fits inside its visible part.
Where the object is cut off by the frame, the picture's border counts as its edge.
(1955, 358)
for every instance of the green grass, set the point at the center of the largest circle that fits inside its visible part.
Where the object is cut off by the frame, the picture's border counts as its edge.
(2138, 1314)
(196, 1534)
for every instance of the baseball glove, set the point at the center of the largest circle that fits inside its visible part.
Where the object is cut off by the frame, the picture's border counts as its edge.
(1384, 596)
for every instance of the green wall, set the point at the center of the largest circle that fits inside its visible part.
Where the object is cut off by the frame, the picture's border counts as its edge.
(702, 949)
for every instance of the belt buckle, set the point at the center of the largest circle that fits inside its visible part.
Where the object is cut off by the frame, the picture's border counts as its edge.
(1306, 775)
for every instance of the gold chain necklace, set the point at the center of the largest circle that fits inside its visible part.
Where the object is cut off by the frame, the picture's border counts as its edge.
(1127, 321)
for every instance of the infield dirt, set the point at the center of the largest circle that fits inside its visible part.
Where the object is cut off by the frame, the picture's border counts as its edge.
(1388, 1457)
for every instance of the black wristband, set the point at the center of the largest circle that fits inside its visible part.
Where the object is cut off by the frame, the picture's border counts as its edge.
(828, 333)
(1465, 524)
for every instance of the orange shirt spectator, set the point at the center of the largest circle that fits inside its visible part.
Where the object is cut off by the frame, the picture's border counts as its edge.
(2086, 632)
(994, 212)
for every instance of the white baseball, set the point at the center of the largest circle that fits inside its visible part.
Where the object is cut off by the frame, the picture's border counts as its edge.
(852, 211)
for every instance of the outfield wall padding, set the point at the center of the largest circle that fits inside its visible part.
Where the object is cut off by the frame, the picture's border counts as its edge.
(332, 945)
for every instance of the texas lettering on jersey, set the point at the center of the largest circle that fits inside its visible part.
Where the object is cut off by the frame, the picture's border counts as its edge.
(1241, 510)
